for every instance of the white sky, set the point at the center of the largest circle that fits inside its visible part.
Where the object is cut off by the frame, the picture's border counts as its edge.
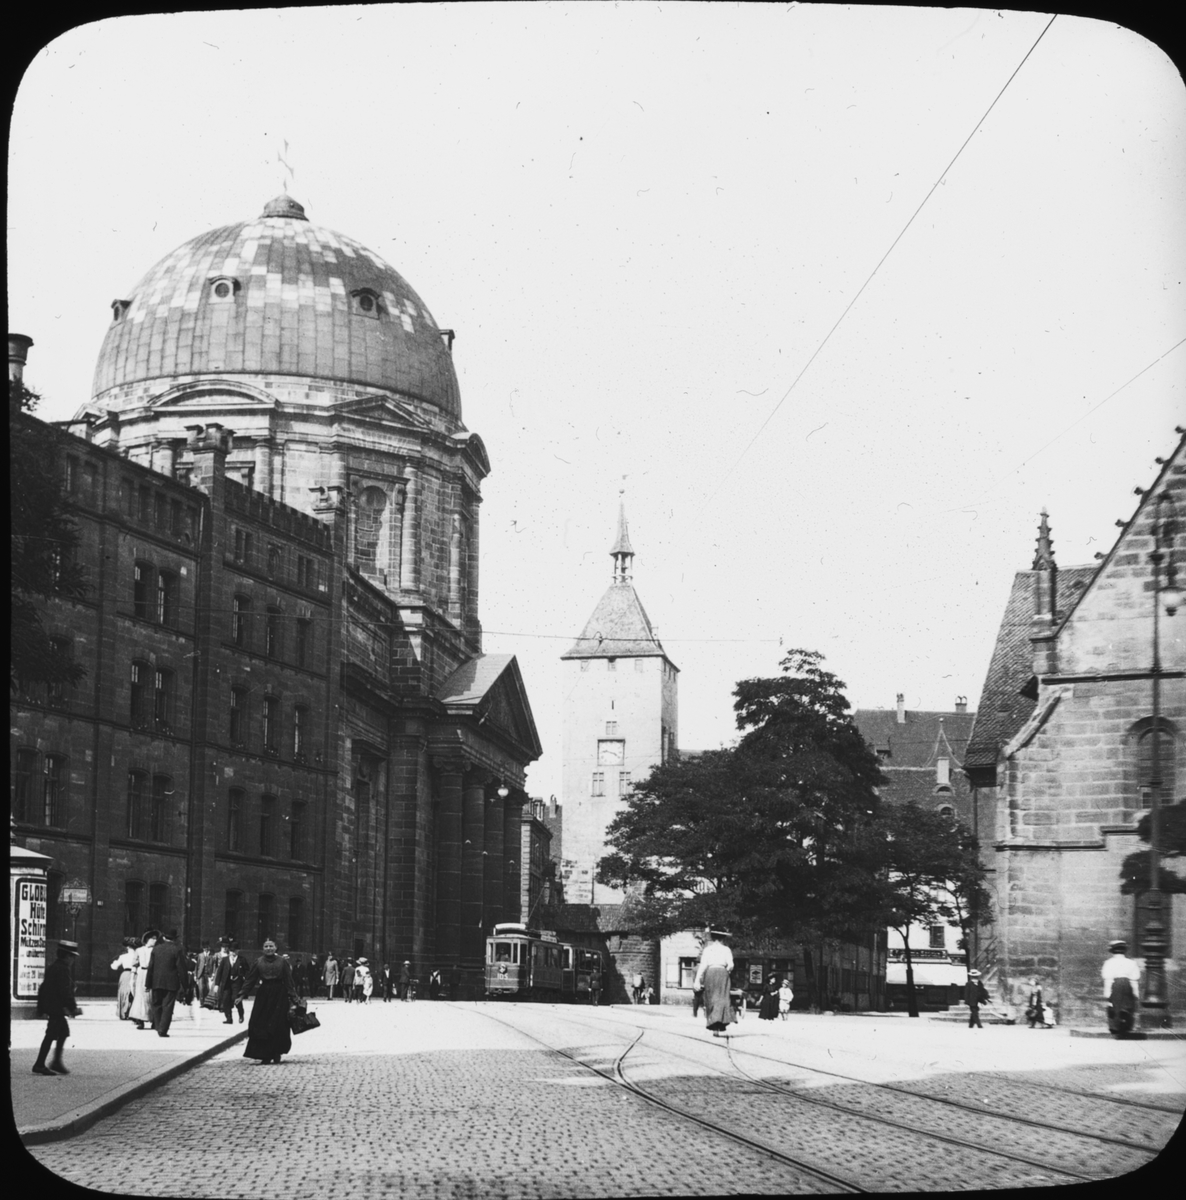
(642, 221)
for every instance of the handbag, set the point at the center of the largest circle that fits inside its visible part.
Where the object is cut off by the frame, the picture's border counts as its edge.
(300, 1019)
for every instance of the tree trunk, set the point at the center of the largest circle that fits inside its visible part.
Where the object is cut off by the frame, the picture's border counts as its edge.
(911, 997)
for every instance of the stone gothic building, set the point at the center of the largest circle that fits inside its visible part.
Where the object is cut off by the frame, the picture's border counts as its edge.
(288, 726)
(1063, 747)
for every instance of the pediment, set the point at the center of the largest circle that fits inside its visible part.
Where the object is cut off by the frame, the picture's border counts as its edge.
(489, 690)
(380, 408)
(221, 394)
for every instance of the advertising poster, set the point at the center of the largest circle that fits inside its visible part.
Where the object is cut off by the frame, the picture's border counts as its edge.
(29, 943)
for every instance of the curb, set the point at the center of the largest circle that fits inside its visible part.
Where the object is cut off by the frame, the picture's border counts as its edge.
(84, 1117)
(1136, 1035)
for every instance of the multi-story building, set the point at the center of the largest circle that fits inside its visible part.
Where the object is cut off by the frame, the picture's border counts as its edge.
(287, 725)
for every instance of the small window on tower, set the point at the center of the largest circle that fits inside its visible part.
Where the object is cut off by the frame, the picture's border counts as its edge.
(119, 310)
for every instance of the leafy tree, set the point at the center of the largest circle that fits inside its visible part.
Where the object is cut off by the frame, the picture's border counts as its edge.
(1134, 871)
(44, 538)
(758, 836)
(929, 871)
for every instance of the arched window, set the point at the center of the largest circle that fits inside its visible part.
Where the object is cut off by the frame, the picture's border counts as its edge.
(272, 632)
(137, 802)
(234, 823)
(142, 682)
(162, 794)
(370, 528)
(241, 621)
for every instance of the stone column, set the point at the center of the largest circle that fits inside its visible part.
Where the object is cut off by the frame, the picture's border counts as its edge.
(473, 829)
(469, 619)
(513, 864)
(449, 839)
(495, 854)
(263, 465)
(409, 569)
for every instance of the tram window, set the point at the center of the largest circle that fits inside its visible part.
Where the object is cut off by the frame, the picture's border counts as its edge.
(502, 952)
(567, 952)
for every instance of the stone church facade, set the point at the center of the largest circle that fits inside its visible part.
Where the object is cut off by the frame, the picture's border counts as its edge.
(288, 726)
(1063, 746)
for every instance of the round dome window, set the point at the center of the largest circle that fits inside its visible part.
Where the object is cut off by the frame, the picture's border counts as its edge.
(222, 290)
(366, 303)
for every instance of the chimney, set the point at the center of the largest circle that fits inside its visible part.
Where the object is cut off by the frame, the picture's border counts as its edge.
(961, 704)
(18, 355)
(901, 708)
(209, 445)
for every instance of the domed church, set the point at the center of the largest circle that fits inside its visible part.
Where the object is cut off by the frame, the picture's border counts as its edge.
(288, 727)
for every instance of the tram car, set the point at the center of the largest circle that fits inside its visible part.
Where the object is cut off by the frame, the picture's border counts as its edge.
(527, 964)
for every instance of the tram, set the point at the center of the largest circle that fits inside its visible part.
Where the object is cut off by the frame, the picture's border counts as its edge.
(530, 964)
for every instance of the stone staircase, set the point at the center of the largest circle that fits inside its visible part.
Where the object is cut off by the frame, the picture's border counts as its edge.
(990, 1014)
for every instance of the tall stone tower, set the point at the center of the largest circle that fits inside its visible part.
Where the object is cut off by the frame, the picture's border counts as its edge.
(620, 720)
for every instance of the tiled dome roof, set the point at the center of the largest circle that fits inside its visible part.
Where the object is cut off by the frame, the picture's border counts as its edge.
(278, 296)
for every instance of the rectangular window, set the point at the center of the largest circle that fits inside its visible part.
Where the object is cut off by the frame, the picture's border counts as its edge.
(238, 717)
(176, 518)
(611, 729)
(272, 633)
(23, 789)
(71, 474)
(296, 831)
(304, 642)
(267, 826)
(640, 664)
(162, 700)
(271, 725)
(598, 783)
(937, 937)
(611, 664)
(137, 803)
(232, 908)
(623, 782)
(55, 790)
(142, 575)
(162, 793)
(127, 497)
(300, 721)
(266, 927)
(162, 511)
(302, 571)
(57, 691)
(133, 908)
(240, 618)
(139, 707)
(296, 919)
(234, 822)
(275, 561)
(158, 906)
(167, 594)
(242, 546)
(687, 972)
(145, 502)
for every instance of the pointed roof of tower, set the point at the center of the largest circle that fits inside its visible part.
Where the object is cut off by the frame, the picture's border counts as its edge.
(619, 626)
(1044, 554)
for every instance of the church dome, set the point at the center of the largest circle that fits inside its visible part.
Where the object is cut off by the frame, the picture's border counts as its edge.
(279, 296)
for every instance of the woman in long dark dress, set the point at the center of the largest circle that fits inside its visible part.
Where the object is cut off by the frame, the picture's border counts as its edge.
(768, 1009)
(268, 1034)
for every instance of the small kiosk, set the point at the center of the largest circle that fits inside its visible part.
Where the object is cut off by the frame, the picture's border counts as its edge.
(28, 910)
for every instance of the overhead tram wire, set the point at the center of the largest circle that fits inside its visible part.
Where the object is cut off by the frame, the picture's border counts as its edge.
(880, 263)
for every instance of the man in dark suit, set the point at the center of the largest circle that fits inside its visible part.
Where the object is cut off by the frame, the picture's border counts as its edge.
(228, 978)
(167, 977)
(55, 998)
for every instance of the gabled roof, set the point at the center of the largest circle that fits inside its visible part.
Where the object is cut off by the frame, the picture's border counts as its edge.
(1003, 710)
(918, 741)
(490, 688)
(618, 628)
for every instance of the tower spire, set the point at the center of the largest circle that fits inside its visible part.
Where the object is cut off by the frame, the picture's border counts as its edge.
(1044, 555)
(622, 552)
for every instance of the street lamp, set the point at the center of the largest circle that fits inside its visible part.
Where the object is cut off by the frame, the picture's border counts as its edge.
(1155, 1004)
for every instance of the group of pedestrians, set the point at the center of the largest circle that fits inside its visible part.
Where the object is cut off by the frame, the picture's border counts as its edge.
(356, 981)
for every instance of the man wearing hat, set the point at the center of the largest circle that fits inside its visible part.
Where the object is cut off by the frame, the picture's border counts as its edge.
(1122, 982)
(55, 998)
(405, 980)
(228, 979)
(167, 978)
(974, 996)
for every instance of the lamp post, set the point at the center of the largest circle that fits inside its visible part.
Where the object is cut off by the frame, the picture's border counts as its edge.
(1155, 1005)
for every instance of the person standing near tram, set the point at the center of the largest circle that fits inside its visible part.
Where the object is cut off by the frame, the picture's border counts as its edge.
(713, 978)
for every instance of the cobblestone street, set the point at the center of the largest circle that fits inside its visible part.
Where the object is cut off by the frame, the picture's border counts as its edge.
(438, 1100)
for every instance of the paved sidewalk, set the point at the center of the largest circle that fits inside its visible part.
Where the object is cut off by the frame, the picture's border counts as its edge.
(110, 1062)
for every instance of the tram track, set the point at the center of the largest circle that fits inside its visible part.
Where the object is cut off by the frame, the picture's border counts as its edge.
(980, 1109)
(1054, 1173)
(617, 1076)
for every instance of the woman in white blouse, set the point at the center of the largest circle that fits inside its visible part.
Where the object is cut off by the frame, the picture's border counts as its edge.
(712, 975)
